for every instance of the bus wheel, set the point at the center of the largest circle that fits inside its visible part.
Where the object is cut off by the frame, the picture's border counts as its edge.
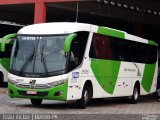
(1, 78)
(2, 83)
(36, 102)
(85, 98)
(136, 94)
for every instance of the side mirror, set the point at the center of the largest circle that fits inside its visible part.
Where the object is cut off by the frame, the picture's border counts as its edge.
(4, 39)
(68, 41)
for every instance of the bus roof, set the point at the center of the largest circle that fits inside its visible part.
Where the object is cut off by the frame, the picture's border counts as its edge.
(71, 27)
(54, 28)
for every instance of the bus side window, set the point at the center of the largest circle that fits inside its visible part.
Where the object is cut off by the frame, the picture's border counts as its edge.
(101, 47)
(78, 47)
(124, 48)
(92, 52)
(152, 54)
(74, 52)
(115, 48)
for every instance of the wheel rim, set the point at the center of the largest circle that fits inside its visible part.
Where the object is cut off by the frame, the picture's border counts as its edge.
(135, 94)
(86, 96)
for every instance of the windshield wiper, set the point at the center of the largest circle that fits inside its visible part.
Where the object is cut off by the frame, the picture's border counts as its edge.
(43, 60)
(29, 59)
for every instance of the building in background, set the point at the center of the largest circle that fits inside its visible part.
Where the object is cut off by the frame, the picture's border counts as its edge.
(136, 17)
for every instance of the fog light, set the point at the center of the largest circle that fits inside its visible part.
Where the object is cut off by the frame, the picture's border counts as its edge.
(59, 93)
(10, 91)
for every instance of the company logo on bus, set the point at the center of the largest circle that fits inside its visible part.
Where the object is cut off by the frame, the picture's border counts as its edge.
(32, 84)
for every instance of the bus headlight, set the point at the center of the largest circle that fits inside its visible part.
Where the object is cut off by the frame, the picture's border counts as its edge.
(60, 82)
(13, 82)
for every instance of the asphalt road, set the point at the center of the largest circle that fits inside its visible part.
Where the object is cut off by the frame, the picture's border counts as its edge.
(148, 108)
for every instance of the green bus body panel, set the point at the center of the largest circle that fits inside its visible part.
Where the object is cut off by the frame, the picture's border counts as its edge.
(3, 43)
(106, 73)
(5, 62)
(50, 96)
(150, 42)
(149, 71)
(68, 41)
(148, 76)
(111, 32)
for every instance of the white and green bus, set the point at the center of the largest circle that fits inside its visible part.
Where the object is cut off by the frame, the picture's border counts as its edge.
(6, 44)
(76, 61)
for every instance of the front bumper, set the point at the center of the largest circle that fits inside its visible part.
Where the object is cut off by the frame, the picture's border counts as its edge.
(54, 93)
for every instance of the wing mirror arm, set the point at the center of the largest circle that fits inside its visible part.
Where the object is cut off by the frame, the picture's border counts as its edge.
(68, 41)
(4, 39)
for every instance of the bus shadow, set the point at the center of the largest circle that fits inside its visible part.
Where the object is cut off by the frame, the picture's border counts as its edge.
(109, 102)
(52, 105)
(120, 101)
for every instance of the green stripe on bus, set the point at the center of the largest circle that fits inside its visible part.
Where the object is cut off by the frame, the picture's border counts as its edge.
(150, 42)
(3, 43)
(148, 76)
(5, 62)
(106, 73)
(111, 32)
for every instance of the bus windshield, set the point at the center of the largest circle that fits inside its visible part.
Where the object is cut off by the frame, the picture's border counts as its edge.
(33, 55)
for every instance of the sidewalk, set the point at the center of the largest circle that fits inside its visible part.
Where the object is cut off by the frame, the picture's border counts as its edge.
(3, 90)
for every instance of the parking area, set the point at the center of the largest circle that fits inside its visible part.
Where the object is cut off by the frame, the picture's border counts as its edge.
(149, 105)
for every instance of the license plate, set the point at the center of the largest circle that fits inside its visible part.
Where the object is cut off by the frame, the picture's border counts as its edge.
(31, 92)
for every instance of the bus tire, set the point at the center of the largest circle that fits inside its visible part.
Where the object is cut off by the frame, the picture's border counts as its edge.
(136, 94)
(1, 78)
(36, 102)
(84, 99)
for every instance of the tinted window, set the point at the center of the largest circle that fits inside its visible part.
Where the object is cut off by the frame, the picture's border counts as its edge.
(101, 47)
(106, 47)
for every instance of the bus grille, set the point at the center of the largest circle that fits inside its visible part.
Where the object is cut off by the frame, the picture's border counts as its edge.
(37, 86)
